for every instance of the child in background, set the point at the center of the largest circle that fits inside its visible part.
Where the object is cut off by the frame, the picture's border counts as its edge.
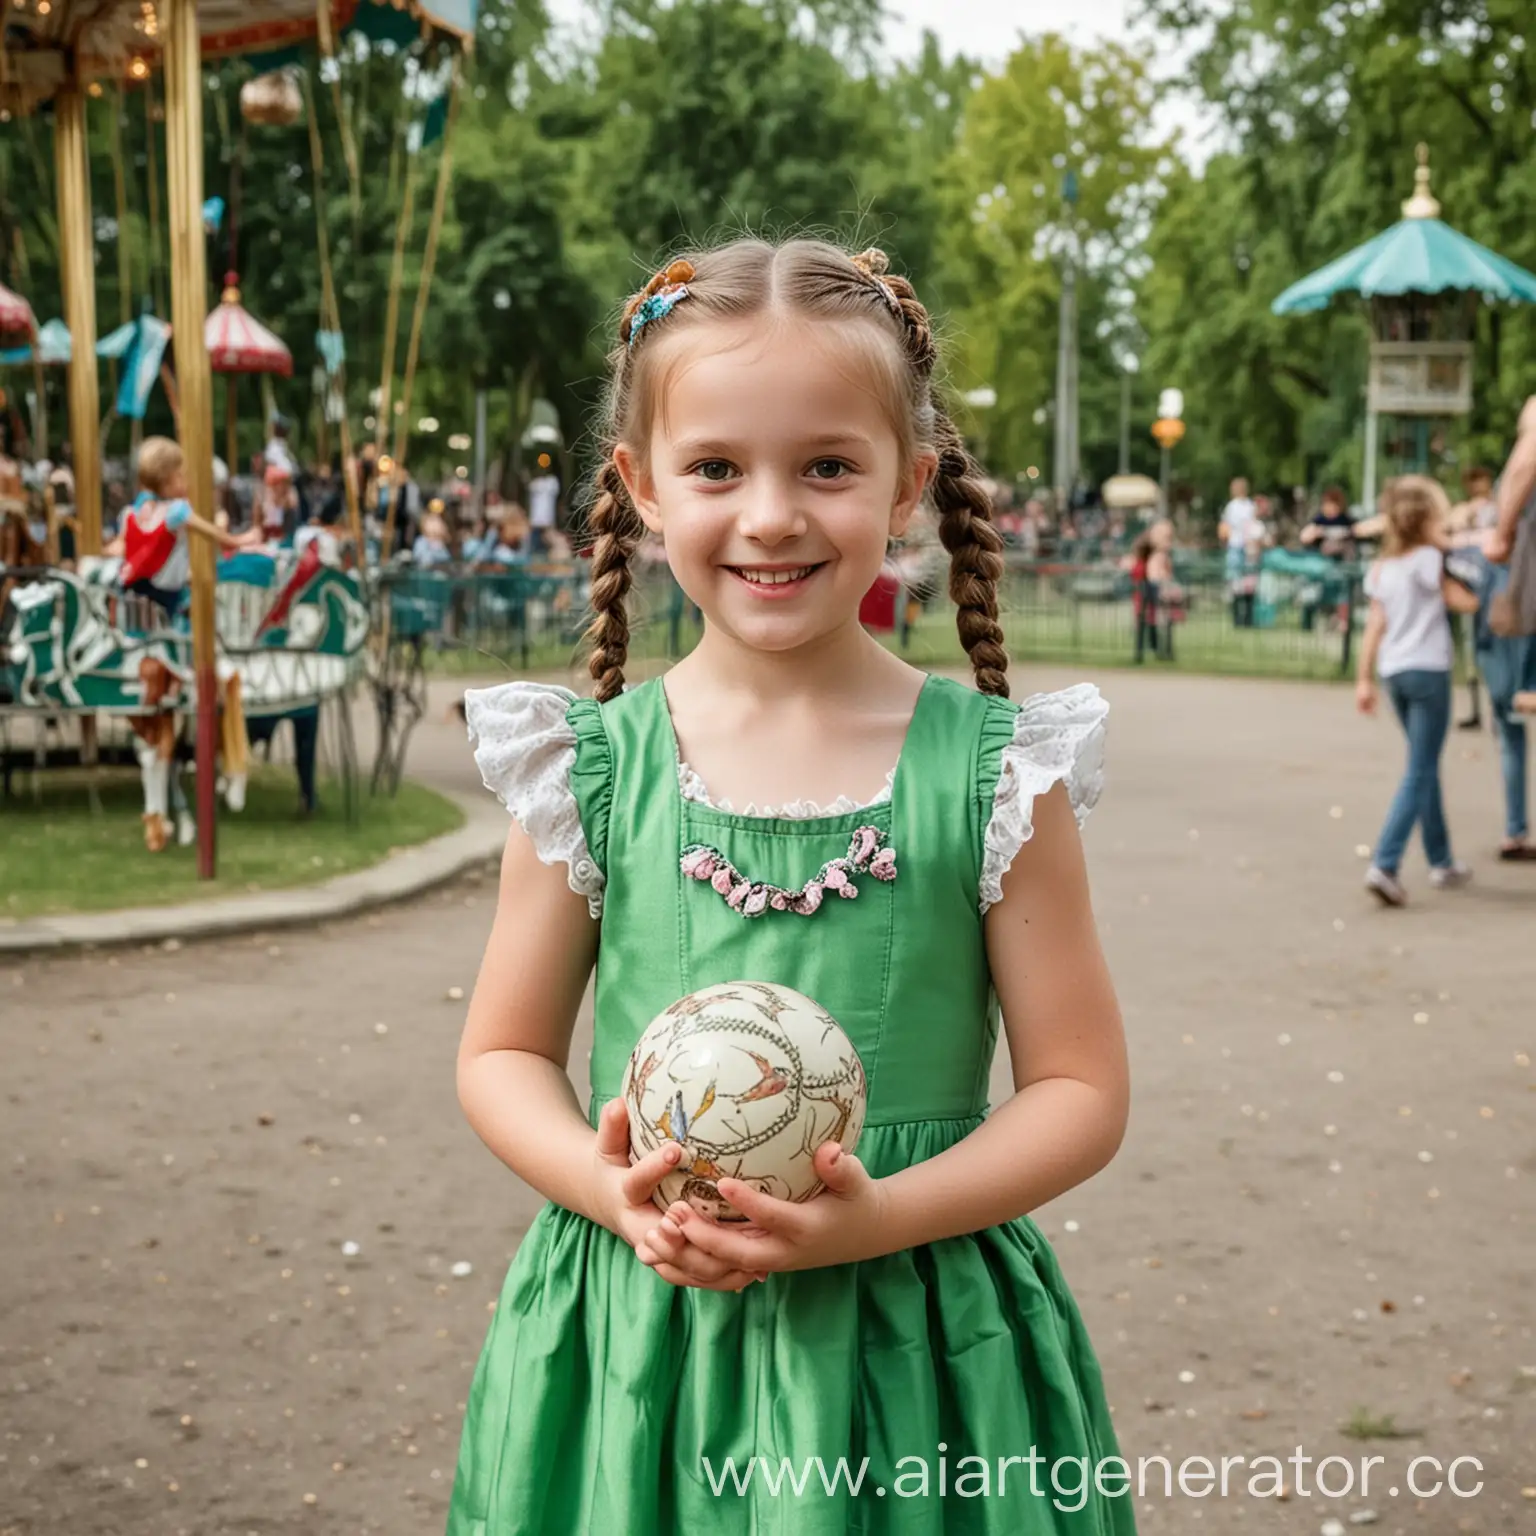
(775, 420)
(157, 556)
(1408, 640)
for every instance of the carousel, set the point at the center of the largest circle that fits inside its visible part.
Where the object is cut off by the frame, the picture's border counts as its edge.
(267, 634)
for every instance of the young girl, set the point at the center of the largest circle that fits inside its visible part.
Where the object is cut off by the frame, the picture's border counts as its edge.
(1153, 593)
(774, 420)
(1408, 641)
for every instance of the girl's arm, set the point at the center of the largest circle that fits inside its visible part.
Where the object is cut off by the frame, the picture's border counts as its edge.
(512, 1079)
(1458, 599)
(1516, 485)
(224, 539)
(1068, 1114)
(1365, 676)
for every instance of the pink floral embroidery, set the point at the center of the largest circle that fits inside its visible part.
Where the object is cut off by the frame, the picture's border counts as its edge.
(700, 864)
(752, 898)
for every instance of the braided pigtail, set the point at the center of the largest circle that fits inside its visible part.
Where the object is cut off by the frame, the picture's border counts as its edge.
(965, 511)
(616, 530)
(975, 556)
(614, 527)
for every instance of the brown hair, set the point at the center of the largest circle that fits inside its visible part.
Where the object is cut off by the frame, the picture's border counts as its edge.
(159, 459)
(1411, 505)
(877, 312)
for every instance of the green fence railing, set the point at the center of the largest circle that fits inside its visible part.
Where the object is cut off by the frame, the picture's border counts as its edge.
(1296, 615)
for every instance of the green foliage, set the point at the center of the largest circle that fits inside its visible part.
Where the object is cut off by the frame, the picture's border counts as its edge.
(1323, 104)
(582, 158)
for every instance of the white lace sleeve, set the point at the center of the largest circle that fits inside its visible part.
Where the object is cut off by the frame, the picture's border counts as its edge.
(1056, 737)
(525, 751)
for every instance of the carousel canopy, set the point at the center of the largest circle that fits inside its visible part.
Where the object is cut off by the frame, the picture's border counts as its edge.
(16, 317)
(50, 42)
(1129, 492)
(1419, 254)
(237, 343)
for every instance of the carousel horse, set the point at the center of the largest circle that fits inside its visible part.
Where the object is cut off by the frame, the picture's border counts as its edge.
(291, 634)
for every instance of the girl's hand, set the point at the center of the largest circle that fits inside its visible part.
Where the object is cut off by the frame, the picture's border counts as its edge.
(622, 1197)
(1365, 697)
(841, 1225)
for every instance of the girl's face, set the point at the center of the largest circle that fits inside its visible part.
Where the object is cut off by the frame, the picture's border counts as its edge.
(176, 484)
(775, 480)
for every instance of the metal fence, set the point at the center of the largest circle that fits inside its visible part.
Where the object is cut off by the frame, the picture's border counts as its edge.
(1293, 616)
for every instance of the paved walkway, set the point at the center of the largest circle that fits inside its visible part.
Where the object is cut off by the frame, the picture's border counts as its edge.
(1320, 1224)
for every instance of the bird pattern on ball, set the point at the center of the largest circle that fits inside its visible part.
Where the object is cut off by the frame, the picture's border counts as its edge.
(868, 853)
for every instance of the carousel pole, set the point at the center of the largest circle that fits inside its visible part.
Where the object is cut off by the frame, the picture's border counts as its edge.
(78, 271)
(189, 303)
(330, 310)
(413, 347)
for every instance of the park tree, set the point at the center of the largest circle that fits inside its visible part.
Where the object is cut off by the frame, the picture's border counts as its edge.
(1322, 104)
(1057, 123)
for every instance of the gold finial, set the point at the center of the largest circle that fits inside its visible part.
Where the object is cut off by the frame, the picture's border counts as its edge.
(1422, 204)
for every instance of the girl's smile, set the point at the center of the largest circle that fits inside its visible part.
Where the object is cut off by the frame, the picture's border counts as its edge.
(775, 583)
(775, 486)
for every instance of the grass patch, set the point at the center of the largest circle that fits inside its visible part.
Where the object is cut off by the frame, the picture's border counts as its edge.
(1365, 1425)
(60, 854)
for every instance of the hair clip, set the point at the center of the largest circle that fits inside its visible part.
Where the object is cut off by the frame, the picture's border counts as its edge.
(654, 307)
(873, 263)
(658, 297)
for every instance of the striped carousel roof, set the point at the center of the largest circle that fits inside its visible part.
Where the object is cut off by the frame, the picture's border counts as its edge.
(49, 43)
(237, 343)
(16, 317)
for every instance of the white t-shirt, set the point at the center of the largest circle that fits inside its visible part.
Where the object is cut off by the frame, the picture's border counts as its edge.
(543, 496)
(1418, 637)
(1238, 514)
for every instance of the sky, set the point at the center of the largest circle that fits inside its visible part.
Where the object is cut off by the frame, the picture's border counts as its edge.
(988, 29)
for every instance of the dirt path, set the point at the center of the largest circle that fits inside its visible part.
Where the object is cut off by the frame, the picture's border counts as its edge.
(1324, 1205)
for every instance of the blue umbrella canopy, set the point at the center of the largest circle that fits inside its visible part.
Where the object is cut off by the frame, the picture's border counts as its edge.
(1419, 254)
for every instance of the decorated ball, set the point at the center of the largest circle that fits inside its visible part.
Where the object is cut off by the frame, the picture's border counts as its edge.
(750, 1078)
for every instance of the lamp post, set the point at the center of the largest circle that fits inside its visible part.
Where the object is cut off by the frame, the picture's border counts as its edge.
(1168, 430)
(1066, 353)
(1128, 366)
(982, 400)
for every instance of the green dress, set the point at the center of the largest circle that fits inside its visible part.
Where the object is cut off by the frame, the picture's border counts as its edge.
(606, 1399)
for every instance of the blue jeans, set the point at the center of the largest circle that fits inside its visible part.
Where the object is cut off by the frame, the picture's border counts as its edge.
(1423, 704)
(1509, 667)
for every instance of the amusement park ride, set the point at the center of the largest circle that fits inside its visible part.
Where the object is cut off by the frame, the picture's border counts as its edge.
(292, 631)
(1422, 281)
